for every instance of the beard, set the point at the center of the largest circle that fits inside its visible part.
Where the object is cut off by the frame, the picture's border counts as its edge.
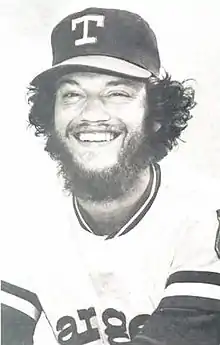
(108, 184)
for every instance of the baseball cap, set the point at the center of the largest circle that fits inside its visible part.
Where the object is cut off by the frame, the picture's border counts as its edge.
(108, 40)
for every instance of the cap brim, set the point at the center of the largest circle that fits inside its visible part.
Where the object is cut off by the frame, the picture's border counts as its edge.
(93, 62)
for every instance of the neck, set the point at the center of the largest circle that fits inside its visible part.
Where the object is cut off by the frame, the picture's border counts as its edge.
(110, 215)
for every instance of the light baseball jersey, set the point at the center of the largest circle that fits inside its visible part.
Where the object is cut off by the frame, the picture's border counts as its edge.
(102, 289)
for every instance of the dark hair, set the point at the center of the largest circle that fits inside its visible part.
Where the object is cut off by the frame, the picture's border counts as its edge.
(169, 102)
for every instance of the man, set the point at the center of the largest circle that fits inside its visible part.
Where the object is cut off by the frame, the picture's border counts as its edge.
(139, 262)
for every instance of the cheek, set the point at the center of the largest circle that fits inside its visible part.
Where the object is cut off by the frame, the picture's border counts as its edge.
(134, 118)
(61, 119)
(58, 116)
(135, 113)
(59, 127)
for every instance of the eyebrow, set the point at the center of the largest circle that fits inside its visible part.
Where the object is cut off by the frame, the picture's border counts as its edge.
(117, 82)
(123, 81)
(66, 80)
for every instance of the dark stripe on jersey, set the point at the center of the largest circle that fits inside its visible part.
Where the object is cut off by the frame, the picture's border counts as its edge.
(78, 216)
(21, 293)
(217, 239)
(194, 277)
(145, 196)
(190, 302)
(17, 328)
(148, 206)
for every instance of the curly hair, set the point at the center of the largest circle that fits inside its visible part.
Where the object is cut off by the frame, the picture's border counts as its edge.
(170, 103)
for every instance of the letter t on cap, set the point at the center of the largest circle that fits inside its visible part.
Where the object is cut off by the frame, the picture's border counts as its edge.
(99, 19)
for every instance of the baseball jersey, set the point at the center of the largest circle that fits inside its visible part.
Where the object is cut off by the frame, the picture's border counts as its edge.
(103, 289)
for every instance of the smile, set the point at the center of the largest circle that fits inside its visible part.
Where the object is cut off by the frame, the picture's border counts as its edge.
(97, 137)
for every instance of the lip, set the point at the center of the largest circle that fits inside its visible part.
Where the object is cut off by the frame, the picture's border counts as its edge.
(110, 136)
(96, 136)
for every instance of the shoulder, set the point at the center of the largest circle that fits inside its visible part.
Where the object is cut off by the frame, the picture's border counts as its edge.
(196, 201)
(189, 187)
(29, 243)
(193, 199)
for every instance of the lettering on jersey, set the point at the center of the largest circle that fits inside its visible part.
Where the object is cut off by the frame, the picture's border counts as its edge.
(137, 324)
(68, 329)
(117, 329)
(217, 239)
(115, 322)
(90, 334)
(85, 20)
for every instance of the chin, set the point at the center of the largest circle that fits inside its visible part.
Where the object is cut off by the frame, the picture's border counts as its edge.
(96, 162)
(95, 156)
(96, 166)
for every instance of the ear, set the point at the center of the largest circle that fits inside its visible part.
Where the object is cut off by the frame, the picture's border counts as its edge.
(156, 126)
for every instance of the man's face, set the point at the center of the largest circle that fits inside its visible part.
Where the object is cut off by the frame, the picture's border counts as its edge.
(100, 119)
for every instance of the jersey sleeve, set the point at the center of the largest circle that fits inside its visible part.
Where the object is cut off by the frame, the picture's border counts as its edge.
(189, 312)
(20, 311)
(195, 272)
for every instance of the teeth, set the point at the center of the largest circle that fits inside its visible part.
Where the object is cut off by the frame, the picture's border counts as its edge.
(96, 137)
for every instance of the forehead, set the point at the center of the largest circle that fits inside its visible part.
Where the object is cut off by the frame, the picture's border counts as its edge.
(97, 80)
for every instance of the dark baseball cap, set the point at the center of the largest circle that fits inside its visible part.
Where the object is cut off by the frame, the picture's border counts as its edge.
(107, 40)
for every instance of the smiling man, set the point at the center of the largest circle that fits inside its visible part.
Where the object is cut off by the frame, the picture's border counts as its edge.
(140, 261)
(106, 133)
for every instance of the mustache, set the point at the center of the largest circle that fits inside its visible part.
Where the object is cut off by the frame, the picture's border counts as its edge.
(74, 129)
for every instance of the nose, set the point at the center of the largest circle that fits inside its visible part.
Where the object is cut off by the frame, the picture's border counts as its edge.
(94, 111)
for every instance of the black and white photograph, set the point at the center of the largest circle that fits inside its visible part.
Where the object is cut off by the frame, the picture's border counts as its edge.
(110, 172)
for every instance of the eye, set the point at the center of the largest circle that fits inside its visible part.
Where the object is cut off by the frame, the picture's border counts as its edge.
(118, 93)
(72, 95)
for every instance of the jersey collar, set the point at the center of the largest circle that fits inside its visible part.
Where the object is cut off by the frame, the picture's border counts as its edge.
(143, 207)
